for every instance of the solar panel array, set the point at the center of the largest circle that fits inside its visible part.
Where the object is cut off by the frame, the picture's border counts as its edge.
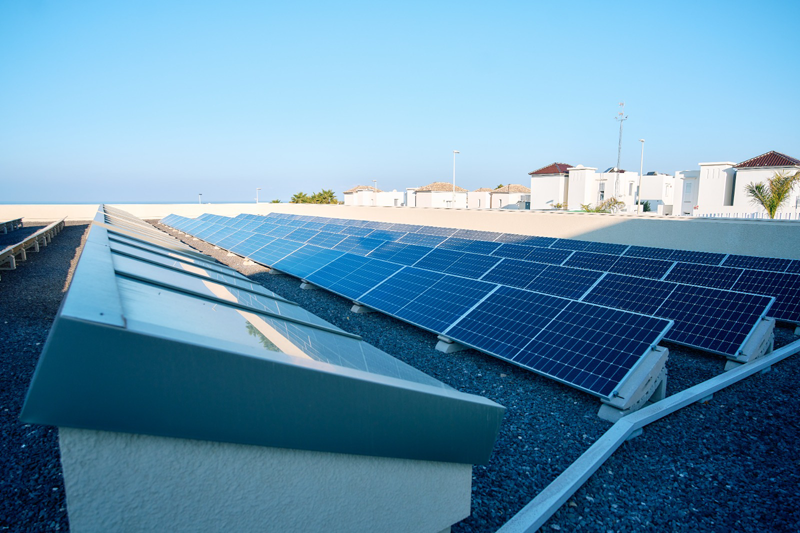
(431, 276)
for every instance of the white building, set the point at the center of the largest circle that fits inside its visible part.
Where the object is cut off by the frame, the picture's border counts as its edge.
(368, 195)
(510, 194)
(441, 194)
(550, 186)
(757, 170)
(659, 191)
(479, 198)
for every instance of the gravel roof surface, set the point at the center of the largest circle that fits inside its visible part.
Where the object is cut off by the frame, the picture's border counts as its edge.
(729, 464)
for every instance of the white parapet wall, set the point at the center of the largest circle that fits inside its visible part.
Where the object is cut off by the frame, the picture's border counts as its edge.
(128, 482)
(768, 238)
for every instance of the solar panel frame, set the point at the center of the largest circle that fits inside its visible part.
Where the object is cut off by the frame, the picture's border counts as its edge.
(785, 288)
(643, 268)
(564, 281)
(771, 264)
(717, 277)
(514, 273)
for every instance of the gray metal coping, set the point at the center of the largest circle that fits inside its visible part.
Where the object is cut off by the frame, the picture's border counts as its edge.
(96, 372)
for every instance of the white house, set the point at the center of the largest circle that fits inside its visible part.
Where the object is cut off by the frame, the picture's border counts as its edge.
(550, 186)
(757, 170)
(441, 194)
(687, 183)
(510, 194)
(480, 198)
(368, 195)
(659, 191)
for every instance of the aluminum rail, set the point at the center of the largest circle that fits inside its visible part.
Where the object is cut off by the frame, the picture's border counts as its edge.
(546, 503)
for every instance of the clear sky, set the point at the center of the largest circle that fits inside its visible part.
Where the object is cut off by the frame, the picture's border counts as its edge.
(157, 101)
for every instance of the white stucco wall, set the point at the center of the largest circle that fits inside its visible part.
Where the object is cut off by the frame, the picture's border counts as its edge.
(547, 191)
(742, 203)
(479, 200)
(125, 482)
(582, 187)
(715, 185)
(441, 199)
(382, 199)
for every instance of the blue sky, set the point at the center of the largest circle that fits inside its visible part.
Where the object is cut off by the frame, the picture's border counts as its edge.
(157, 101)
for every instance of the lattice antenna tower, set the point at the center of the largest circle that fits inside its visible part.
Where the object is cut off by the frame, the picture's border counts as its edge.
(621, 117)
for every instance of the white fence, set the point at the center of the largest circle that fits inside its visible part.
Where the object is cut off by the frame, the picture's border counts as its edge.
(778, 216)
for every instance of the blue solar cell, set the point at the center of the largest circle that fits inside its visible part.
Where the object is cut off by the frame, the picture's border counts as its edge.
(506, 321)
(639, 295)
(306, 260)
(301, 234)
(591, 347)
(337, 270)
(711, 319)
(358, 245)
(564, 281)
(703, 258)
(784, 287)
(325, 239)
(512, 251)
(363, 278)
(281, 231)
(311, 224)
(356, 231)
(591, 261)
(648, 252)
(397, 291)
(469, 245)
(606, 248)
(476, 235)
(757, 263)
(405, 228)
(265, 227)
(396, 252)
(527, 240)
(430, 241)
(644, 268)
(440, 304)
(251, 244)
(433, 230)
(704, 275)
(570, 244)
(233, 239)
(548, 255)
(514, 273)
(794, 267)
(333, 228)
(439, 260)
(386, 235)
(471, 265)
(221, 234)
(274, 251)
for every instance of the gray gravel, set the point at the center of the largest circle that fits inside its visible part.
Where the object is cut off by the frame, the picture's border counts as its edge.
(731, 464)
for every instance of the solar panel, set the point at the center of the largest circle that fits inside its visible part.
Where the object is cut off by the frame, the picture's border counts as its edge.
(512, 251)
(306, 260)
(356, 231)
(233, 239)
(439, 260)
(703, 258)
(386, 235)
(325, 239)
(527, 240)
(301, 235)
(506, 321)
(591, 261)
(570, 244)
(476, 235)
(606, 248)
(358, 245)
(514, 273)
(251, 244)
(757, 263)
(564, 281)
(468, 245)
(704, 275)
(433, 230)
(361, 279)
(397, 291)
(784, 287)
(423, 240)
(639, 295)
(396, 252)
(548, 255)
(274, 252)
(405, 228)
(648, 252)
(643, 268)
(794, 267)
(591, 347)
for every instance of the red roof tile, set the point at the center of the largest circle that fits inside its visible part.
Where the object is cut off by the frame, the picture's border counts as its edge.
(770, 159)
(555, 168)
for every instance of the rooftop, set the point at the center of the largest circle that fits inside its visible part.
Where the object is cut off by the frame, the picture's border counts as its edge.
(511, 187)
(770, 159)
(441, 186)
(357, 188)
(555, 168)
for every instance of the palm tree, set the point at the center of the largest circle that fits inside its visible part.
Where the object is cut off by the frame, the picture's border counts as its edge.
(774, 193)
(327, 196)
(300, 198)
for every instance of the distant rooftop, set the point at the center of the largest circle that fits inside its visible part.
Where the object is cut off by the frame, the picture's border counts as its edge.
(483, 189)
(440, 186)
(555, 168)
(512, 187)
(770, 159)
(363, 188)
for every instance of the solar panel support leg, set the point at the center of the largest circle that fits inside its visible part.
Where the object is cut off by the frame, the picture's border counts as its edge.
(274, 272)
(760, 342)
(647, 383)
(307, 286)
(797, 330)
(447, 345)
(358, 308)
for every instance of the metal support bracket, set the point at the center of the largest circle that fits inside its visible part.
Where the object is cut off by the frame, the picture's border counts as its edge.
(447, 345)
(648, 383)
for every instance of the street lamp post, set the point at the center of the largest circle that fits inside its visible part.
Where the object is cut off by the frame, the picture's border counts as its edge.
(454, 176)
(375, 190)
(200, 198)
(639, 188)
(257, 189)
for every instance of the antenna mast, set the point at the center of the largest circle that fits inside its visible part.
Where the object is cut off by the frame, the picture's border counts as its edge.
(621, 117)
